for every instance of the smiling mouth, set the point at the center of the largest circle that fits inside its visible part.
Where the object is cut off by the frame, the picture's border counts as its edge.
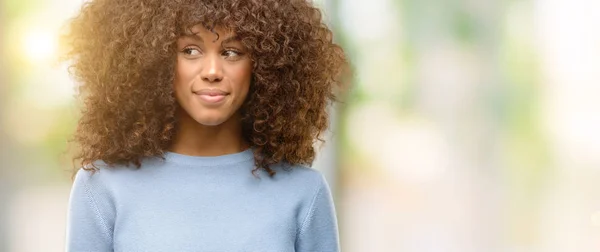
(210, 92)
(211, 96)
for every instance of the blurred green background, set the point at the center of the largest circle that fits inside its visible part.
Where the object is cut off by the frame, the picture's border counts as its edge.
(470, 125)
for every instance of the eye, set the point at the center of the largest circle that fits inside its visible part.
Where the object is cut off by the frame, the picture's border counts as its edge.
(232, 54)
(190, 51)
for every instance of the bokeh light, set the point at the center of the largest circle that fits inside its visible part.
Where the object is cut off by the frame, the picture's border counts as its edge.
(39, 45)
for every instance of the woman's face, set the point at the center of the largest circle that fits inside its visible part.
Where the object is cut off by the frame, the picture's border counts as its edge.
(212, 75)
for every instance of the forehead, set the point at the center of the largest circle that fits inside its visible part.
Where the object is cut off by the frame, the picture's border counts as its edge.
(202, 32)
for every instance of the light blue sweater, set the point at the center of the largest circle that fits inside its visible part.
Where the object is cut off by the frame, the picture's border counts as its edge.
(212, 204)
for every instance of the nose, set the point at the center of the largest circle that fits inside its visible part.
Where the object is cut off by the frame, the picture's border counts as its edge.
(212, 70)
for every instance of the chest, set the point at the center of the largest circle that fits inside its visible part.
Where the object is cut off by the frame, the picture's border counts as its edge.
(225, 221)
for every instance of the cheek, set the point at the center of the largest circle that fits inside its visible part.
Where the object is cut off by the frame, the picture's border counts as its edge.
(182, 71)
(243, 76)
(184, 74)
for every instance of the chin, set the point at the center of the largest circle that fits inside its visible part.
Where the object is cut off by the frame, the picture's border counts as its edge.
(210, 120)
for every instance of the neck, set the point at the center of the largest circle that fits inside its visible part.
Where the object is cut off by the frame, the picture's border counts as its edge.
(195, 139)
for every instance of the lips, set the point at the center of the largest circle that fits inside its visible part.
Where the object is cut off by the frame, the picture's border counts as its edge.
(211, 92)
(211, 96)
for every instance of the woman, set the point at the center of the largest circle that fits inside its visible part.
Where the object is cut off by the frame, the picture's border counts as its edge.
(198, 123)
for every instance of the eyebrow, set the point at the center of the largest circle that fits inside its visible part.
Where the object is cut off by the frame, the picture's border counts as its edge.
(230, 39)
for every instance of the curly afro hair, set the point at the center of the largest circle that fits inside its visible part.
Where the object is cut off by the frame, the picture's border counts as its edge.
(123, 54)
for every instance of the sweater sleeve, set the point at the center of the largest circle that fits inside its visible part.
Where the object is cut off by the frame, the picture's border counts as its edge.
(319, 231)
(87, 227)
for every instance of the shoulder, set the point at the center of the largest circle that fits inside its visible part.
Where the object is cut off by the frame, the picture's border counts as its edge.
(298, 174)
(308, 189)
(102, 176)
(302, 179)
